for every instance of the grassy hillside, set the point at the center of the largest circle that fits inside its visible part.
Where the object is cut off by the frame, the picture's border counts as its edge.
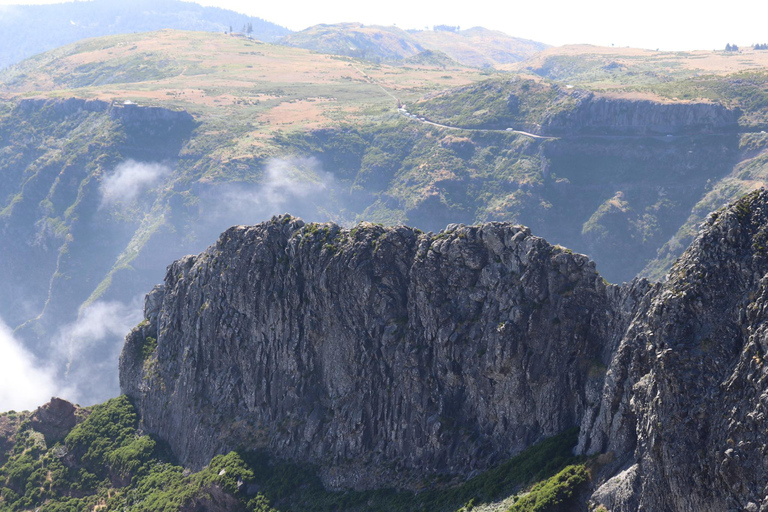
(370, 42)
(505, 101)
(737, 79)
(217, 76)
(476, 47)
(598, 66)
(479, 46)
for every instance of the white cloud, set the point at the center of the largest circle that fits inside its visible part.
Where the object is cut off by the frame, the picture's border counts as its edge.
(293, 178)
(131, 178)
(24, 384)
(291, 184)
(89, 348)
(81, 366)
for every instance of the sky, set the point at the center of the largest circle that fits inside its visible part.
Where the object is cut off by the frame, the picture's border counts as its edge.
(663, 24)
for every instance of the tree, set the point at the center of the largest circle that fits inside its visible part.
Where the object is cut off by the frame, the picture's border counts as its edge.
(728, 47)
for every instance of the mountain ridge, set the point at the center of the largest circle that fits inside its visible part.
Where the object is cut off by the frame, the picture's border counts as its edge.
(328, 145)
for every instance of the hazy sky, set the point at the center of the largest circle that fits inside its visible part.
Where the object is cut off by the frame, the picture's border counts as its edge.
(664, 24)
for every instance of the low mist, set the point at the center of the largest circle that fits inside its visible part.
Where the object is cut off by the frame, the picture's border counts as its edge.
(82, 362)
(24, 383)
(129, 179)
(295, 185)
(88, 349)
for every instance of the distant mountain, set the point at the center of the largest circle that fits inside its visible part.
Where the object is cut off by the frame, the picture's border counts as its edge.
(431, 58)
(26, 30)
(478, 47)
(370, 42)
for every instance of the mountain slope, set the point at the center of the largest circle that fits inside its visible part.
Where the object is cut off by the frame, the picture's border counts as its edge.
(370, 42)
(99, 194)
(477, 47)
(26, 30)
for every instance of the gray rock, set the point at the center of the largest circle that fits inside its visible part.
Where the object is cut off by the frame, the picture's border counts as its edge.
(383, 355)
(686, 390)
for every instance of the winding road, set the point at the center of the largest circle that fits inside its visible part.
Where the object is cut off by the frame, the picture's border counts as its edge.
(425, 121)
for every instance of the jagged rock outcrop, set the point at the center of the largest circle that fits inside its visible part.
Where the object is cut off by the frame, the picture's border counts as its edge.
(54, 420)
(685, 397)
(381, 355)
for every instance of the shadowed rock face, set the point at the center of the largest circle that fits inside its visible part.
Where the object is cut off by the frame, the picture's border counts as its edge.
(382, 355)
(379, 354)
(685, 396)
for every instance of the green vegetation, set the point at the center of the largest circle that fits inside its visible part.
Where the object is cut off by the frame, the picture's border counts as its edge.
(105, 462)
(747, 90)
(558, 493)
(292, 488)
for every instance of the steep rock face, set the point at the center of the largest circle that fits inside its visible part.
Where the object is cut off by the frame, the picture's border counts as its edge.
(683, 405)
(593, 114)
(381, 355)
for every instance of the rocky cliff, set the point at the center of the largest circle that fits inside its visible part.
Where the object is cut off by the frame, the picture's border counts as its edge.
(592, 114)
(683, 403)
(379, 348)
(382, 355)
